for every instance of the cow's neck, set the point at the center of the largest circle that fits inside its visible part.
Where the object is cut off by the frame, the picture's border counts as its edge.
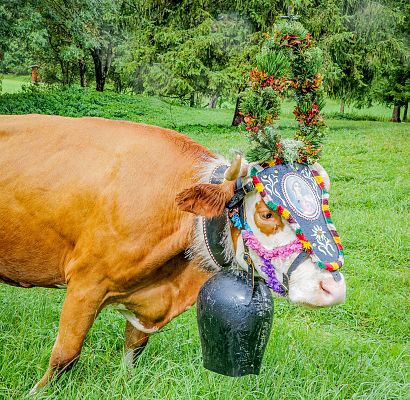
(173, 291)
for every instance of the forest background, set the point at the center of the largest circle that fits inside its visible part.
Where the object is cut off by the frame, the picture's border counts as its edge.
(198, 52)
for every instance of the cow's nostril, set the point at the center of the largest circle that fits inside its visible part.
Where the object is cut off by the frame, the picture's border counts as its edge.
(333, 292)
(324, 287)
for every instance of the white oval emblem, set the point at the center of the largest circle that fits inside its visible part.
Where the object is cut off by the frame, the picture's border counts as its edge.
(300, 196)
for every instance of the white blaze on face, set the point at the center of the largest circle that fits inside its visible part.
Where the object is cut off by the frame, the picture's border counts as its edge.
(308, 284)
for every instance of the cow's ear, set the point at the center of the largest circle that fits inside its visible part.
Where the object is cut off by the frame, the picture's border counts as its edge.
(205, 199)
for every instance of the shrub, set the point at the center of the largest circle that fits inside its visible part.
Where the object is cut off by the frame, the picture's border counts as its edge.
(355, 117)
(78, 102)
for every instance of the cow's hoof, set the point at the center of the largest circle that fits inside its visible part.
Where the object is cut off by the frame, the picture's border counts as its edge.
(34, 390)
(129, 358)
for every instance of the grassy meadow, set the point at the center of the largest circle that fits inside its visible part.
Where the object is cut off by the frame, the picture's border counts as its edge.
(13, 83)
(358, 350)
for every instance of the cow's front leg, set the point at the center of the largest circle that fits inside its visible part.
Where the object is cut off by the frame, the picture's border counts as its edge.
(80, 308)
(135, 342)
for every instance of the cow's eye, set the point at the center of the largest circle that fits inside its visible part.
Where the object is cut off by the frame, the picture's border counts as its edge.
(267, 216)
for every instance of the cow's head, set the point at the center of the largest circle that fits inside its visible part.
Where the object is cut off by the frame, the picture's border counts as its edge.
(308, 284)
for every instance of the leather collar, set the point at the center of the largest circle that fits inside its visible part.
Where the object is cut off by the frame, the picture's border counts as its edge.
(214, 228)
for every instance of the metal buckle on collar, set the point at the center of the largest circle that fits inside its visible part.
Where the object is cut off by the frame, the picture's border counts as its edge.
(240, 192)
(285, 284)
(248, 187)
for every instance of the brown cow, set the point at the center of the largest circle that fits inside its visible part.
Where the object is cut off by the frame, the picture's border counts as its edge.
(90, 204)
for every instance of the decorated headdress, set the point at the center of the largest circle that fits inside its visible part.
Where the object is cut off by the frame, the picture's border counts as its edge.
(282, 172)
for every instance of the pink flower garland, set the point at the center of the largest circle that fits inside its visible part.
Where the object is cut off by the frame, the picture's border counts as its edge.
(279, 252)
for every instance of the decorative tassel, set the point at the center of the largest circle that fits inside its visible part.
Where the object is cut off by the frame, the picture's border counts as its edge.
(272, 281)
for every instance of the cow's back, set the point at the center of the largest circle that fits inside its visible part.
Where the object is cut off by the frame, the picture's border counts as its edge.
(74, 186)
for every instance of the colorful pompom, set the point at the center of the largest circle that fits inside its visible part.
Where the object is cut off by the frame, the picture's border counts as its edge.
(285, 214)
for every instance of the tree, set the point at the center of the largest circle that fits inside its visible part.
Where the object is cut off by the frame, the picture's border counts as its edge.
(359, 39)
(9, 14)
(195, 54)
(348, 67)
(102, 36)
(392, 86)
(200, 61)
(16, 34)
(88, 26)
(67, 33)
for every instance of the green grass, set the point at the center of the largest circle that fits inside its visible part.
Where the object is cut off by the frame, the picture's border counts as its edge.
(13, 83)
(358, 350)
(332, 106)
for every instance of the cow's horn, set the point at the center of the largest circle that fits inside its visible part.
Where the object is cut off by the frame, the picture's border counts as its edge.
(233, 171)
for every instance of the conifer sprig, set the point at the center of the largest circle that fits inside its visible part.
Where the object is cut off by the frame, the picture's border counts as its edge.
(289, 63)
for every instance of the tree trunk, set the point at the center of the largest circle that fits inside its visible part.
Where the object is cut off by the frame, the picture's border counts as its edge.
(64, 72)
(342, 106)
(396, 114)
(213, 100)
(237, 116)
(71, 73)
(96, 54)
(81, 67)
(405, 108)
(192, 100)
(117, 82)
(108, 59)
